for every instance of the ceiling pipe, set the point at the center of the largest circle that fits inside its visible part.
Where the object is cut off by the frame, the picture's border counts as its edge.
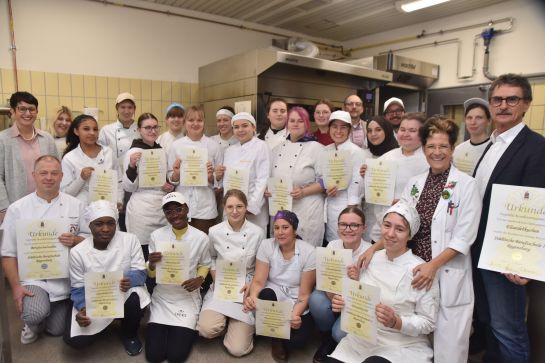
(12, 47)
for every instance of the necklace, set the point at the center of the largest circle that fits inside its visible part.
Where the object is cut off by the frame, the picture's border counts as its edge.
(32, 137)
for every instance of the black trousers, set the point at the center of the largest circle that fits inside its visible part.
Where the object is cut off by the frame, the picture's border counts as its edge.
(372, 359)
(170, 343)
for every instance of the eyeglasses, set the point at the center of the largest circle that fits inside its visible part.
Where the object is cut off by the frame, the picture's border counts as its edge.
(353, 104)
(512, 101)
(391, 112)
(174, 211)
(152, 128)
(352, 226)
(24, 110)
(437, 147)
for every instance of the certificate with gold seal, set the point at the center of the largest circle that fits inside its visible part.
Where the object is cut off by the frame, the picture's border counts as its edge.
(230, 279)
(280, 189)
(236, 178)
(193, 172)
(40, 254)
(337, 171)
(103, 185)
(331, 264)
(380, 181)
(152, 168)
(514, 241)
(173, 269)
(103, 297)
(273, 318)
(358, 316)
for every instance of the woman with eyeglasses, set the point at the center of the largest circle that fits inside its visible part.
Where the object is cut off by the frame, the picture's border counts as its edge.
(351, 226)
(322, 111)
(233, 240)
(142, 216)
(60, 126)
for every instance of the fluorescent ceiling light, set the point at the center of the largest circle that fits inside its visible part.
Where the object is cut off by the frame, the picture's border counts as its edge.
(414, 5)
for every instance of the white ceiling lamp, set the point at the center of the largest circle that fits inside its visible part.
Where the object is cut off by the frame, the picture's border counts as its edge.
(408, 6)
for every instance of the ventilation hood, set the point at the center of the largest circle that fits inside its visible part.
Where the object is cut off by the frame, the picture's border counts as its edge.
(407, 72)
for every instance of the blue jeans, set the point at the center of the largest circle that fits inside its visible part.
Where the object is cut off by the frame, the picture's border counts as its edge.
(507, 306)
(325, 319)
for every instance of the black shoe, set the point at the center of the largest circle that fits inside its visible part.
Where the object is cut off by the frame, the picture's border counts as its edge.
(133, 346)
(326, 347)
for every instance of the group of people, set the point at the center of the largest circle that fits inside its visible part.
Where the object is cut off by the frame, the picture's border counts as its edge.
(422, 251)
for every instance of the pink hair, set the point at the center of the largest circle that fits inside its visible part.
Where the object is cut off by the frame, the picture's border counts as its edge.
(304, 116)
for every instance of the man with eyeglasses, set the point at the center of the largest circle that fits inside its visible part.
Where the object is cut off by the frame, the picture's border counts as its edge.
(20, 146)
(393, 112)
(354, 106)
(515, 157)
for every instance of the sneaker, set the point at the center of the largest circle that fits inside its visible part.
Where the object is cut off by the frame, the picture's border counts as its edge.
(28, 336)
(326, 347)
(278, 351)
(133, 346)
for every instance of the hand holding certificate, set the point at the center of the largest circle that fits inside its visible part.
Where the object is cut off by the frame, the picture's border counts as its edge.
(337, 169)
(273, 318)
(280, 189)
(236, 178)
(331, 267)
(103, 185)
(358, 316)
(103, 296)
(229, 280)
(173, 269)
(380, 181)
(193, 171)
(152, 168)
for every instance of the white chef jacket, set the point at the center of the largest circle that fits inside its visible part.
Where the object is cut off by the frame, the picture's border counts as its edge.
(172, 304)
(60, 143)
(339, 244)
(201, 200)
(466, 155)
(75, 161)
(416, 308)
(167, 138)
(64, 207)
(300, 161)
(118, 138)
(224, 144)
(273, 139)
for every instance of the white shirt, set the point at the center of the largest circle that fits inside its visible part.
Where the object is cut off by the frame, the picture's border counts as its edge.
(273, 139)
(466, 155)
(167, 138)
(118, 138)
(500, 143)
(224, 144)
(339, 244)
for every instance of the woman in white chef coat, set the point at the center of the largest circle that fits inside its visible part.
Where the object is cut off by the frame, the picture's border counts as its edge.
(405, 315)
(201, 199)
(107, 250)
(253, 155)
(340, 126)
(235, 239)
(59, 128)
(82, 155)
(174, 120)
(225, 136)
(298, 158)
(142, 217)
(351, 226)
(285, 270)
(171, 330)
(477, 120)
(275, 131)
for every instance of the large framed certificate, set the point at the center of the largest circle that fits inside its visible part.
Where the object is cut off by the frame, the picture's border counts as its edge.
(103, 185)
(280, 189)
(173, 269)
(103, 297)
(193, 172)
(40, 254)
(337, 170)
(358, 316)
(514, 241)
(380, 181)
(236, 178)
(152, 168)
(230, 279)
(273, 319)
(331, 264)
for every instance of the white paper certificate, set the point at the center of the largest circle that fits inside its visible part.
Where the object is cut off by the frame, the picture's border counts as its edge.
(236, 178)
(280, 189)
(152, 168)
(273, 318)
(193, 172)
(40, 254)
(380, 181)
(514, 241)
(358, 316)
(103, 297)
(331, 264)
(230, 279)
(337, 171)
(103, 185)
(173, 269)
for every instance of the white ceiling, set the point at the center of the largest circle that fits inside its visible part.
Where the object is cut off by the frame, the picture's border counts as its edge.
(338, 20)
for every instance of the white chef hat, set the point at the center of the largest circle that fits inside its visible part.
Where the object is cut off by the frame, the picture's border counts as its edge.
(409, 213)
(392, 101)
(224, 112)
(341, 116)
(173, 197)
(243, 116)
(99, 209)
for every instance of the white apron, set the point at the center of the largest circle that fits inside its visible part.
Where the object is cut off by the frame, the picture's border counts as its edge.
(144, 214)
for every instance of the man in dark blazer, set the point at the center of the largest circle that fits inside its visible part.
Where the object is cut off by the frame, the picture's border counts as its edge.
(515, 156)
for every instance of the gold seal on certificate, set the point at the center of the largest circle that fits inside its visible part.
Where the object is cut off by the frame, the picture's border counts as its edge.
(280, 189)
(173, 269)
(103, 297)
(193, 172)
(230, 279)
(514, 241)
(152, 168)
(236, 178)
(358, 316)
(331, 267)
(380, 181)
(40, 254)
(273, 318)
(103, 185)
(337, 169)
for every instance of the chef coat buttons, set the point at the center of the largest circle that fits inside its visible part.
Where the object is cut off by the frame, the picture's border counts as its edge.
(295, 155)
(434, 241)
(446, 270)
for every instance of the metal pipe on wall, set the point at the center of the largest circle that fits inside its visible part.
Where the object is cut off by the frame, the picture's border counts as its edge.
(13, 48)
